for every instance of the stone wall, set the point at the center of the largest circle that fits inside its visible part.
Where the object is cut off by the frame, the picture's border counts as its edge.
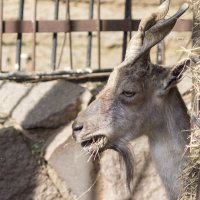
(32, 118)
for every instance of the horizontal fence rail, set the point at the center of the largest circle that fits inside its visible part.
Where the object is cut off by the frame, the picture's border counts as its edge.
(58, 26)
(69, 26)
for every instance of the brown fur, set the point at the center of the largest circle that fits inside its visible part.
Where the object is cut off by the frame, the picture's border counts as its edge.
(141, 98)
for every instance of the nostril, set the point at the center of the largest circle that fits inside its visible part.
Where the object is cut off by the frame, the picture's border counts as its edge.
(77, 126)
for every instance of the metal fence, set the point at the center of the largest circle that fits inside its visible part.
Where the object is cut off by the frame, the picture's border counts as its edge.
(69, 26)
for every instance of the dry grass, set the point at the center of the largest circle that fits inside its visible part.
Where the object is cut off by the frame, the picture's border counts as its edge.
(191, 173)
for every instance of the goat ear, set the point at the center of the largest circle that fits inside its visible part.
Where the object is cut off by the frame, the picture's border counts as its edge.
(175, 74)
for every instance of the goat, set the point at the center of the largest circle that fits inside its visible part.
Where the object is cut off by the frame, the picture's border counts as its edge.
(141, 98)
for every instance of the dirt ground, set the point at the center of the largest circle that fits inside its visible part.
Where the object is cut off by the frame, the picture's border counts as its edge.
(111, 50)
(111, 42)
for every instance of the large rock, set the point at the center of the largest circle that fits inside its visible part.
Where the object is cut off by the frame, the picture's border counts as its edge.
(59, 137)
(21, 178)
(43, 105)
(69, 167)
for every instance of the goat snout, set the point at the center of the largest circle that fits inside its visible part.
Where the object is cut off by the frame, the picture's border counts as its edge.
(76, 127)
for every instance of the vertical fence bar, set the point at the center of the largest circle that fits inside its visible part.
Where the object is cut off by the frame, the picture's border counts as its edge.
(1, 32)
(160, 59)
(130, 18)
(34, 34)
(127, 11)
(54, 42)
(68, 17)
(99, 32)
(89, 45)
(19, 38)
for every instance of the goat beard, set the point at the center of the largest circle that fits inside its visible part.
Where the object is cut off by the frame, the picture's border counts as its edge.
(122, 147)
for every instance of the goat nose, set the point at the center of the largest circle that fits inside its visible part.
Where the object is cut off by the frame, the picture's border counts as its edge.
(76, 127)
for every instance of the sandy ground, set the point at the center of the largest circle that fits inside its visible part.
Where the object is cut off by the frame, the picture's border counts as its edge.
(111, 51)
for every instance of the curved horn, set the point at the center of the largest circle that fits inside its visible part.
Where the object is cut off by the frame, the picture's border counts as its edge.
(156, 33)
(154, 17)
(136, 42)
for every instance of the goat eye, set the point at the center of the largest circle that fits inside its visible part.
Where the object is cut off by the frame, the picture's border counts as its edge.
(128, 93)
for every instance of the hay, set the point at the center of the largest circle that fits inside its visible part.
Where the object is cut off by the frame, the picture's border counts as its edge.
(191, 174)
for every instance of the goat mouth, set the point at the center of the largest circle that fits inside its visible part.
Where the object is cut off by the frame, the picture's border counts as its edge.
(95, 143)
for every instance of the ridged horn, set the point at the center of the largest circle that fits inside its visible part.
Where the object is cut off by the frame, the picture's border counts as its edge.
(159, 31)
(147, 22)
